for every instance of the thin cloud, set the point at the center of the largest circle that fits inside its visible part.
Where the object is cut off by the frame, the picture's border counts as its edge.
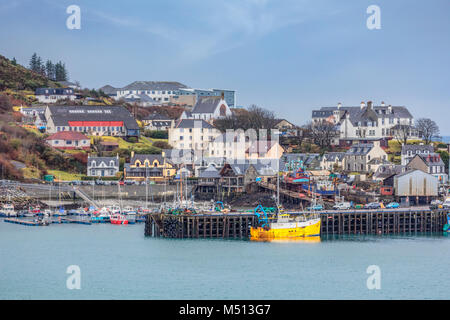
(220, 26)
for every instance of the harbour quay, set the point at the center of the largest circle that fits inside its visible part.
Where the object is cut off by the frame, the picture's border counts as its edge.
(355, 222)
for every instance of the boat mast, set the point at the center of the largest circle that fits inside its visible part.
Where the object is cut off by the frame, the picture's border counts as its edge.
(146, 188)
(278, 180)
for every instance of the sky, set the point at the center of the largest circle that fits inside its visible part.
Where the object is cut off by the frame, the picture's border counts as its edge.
(289, 56)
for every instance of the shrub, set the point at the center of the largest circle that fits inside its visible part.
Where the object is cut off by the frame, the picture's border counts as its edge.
(156, 134)
(162, 145)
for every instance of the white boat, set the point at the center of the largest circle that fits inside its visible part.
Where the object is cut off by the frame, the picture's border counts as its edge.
(8, 210)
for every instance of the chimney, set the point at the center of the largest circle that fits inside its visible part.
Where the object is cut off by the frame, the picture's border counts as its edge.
(390, 109)
(382, 103)
(369, 104)
(339, 105)
(223, 95)
(132, 154)
(362, 105)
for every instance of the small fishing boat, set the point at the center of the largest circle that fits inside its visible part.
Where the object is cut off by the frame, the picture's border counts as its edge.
(284, 226)
(103, 215)
(299, 176)
(118, 219)
(7, 210)
(130, 214)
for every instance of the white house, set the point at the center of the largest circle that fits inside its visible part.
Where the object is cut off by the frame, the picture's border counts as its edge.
(194, 134)
(366, 122)
(230, 145)
(210, 108)
(102, 166)
(52, 95)
(409, 151)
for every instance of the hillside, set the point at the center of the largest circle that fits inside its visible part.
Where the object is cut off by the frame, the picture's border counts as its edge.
(17, 77)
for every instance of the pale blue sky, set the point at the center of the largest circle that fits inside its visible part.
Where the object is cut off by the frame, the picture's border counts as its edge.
(287, 55)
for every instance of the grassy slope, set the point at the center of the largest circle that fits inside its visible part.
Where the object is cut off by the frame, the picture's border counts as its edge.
(17, 77)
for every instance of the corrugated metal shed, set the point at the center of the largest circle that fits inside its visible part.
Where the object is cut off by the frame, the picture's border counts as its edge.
(415, 183)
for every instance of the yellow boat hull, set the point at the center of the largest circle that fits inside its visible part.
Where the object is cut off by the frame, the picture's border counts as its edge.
(311, 230)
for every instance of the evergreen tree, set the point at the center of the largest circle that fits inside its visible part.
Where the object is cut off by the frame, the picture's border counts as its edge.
(65, 74)
(50, 70)
(14, 61)
(33, 62)
(58, 71)
(39, 66)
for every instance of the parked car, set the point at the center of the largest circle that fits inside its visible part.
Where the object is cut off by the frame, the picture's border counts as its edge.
(359, 206)
(342, 206)
(317, 207)
(393, 205)
(372, 205)
(436, 204)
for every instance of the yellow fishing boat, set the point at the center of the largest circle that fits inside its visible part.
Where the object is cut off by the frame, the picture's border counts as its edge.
(285, 226)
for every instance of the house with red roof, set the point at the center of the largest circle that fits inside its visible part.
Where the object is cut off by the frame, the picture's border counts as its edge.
(69, 140)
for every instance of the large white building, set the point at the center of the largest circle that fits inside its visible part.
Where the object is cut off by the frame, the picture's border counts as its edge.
(159, 91)
(193, 134)
(366, 122)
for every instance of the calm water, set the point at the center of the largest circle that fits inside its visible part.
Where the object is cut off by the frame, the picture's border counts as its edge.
(117, 262)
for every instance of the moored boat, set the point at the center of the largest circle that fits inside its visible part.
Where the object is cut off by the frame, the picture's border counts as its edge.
(118, 219)
(285, 225)
(7, 210)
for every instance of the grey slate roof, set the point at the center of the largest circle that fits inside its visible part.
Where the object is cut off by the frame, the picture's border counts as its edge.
(149, 157)
(193, 123)
(206, 104)
(366, 114)
(99, 160)
(54, 91)
(154, 85)
(210, 172)
(387, 170)
(62, 114)
(108, 89)
(331, 156)
(414, 148)
(360, 149)
(156, 116)
(430, 160)
(139, 98)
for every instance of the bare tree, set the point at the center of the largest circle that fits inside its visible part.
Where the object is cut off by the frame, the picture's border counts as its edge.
(428, 129)
(322, 134)
(254, 118)
(402, 132)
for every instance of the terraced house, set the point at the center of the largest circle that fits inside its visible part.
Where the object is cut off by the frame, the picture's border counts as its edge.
(359, 156)
(149, 166)
(192, 134)
(92, 120)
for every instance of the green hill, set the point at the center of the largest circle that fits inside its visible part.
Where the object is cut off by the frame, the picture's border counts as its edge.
(16, 77)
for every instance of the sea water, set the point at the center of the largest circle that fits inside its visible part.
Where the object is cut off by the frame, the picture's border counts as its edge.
(118, 262)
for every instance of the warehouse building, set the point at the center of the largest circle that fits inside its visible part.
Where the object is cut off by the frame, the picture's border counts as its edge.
(92, 120)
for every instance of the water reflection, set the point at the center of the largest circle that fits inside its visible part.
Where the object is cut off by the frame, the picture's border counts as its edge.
(290, 240)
